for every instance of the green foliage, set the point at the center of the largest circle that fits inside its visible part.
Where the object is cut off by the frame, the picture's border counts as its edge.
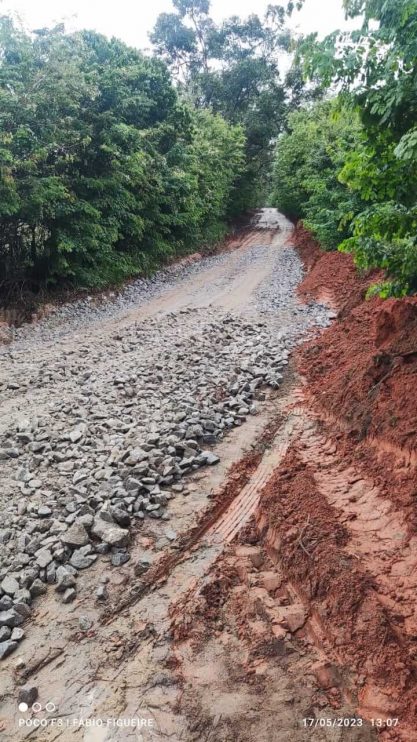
(376, 71)
(104, 172)
(305, 183)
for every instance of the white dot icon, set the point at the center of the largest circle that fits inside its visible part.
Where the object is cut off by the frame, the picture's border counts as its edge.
(36, 707)
(23, 707)
(50, 707)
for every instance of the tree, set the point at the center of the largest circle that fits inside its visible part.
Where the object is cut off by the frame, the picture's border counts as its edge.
(232, 69)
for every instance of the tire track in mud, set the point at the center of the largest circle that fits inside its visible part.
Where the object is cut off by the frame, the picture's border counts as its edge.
(346, 553)
(343, 550)
(244, 505)
(235, 504)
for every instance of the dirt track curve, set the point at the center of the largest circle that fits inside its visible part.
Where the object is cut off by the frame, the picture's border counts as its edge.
(202, 615)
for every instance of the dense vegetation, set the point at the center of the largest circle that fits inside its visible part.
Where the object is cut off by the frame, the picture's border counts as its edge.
(105, 172)
(112, 161)
(306, 175)
(349, 167)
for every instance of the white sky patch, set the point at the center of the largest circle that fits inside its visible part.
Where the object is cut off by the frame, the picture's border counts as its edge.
(132, 20)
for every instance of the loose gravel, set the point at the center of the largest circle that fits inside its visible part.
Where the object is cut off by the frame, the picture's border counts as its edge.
(100, 435)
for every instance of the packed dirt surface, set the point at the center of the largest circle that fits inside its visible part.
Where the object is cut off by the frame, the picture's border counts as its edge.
(200, 539)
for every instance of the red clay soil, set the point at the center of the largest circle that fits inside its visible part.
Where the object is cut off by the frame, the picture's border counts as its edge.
(304, 535)
(331, 276)
(362, 371)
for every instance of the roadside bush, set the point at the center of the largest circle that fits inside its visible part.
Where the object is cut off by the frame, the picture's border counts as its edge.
(308, 161)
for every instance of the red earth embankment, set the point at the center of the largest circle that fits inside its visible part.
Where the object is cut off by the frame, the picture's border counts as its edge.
(362, 371)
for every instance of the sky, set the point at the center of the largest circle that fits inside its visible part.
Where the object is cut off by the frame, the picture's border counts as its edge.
(132, 20)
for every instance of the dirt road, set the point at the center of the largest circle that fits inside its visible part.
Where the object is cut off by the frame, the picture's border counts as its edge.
(142, 592)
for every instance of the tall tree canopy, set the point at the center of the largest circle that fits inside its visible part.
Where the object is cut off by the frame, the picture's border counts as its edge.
(232, 68)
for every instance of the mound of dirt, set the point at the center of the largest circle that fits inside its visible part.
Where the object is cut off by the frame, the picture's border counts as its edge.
(331, 276)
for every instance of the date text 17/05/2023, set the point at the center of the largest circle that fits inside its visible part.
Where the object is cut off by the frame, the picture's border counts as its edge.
(354, 721)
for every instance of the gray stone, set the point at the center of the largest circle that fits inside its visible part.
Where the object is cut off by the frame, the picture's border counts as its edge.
(65, 581)
(7, 648)
(69, 595)
(82, 561)
(35, 484)
(136, 456)
(22, 596)
(37, 588)
(108, 532)
(80, 476)
(120, 516)
(43, 557)
(5, 633)
(143, 564)
(23, 609)
(76, 535)
(9, 585)
(85, 623)
(17, 634)
(102, 593)
(210, 458)
(119, 557)
(11, 618)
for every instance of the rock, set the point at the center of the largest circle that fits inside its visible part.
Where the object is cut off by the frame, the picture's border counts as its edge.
(119, 558)
(170, 534)
(9, 585)
(17, 634)
(11, 618)
(253, 553)
(22, 596)
(23, 609)
(43, 557)
(5, 602)
(271, 581)
(69, 595)
(75, 436)
(142, 565)
(7, 648)
(120, 516)
(44, 511)
(37, 588)
(103, 548)
(85, 623)
(80, 560)
(5, 633)
(136, 456)
(295, 617)
(35, 484)
(27, 694)
(209, 458)
(80, 476)
(51, 573)
(108, 532)
(65, 581)
(102, 593)
(76, 535)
